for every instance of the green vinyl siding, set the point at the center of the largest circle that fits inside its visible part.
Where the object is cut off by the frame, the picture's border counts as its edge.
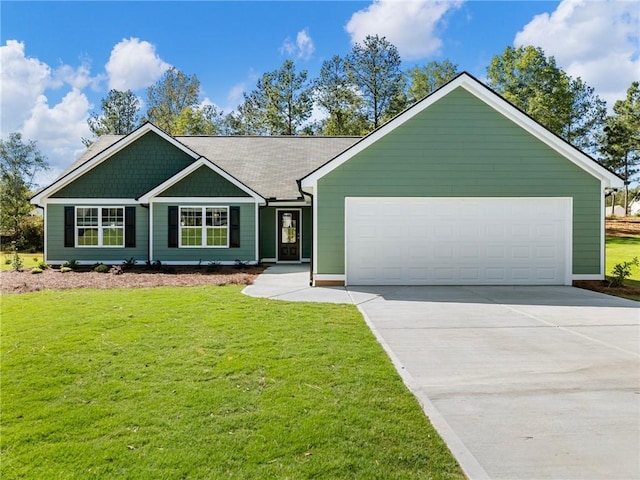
(204, 182)
(58, 253)
(268, 231)
(307, 229)
(246, 252)
(131, 172)
(459, 147)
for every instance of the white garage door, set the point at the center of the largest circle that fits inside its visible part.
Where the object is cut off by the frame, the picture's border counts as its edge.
(458, 241)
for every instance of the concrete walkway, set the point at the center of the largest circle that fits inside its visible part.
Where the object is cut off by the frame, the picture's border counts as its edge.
(291, 283)
(520, 382)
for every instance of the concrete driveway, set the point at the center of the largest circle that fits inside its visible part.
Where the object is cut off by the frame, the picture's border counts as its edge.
(521, 382)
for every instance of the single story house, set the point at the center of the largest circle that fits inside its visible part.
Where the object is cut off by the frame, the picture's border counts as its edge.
(461, 188)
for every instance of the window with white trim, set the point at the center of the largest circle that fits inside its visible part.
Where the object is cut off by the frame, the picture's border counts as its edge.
(99, 226)
(204, 227)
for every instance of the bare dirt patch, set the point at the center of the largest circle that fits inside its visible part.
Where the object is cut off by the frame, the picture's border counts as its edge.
(53, 279)
(622, 227)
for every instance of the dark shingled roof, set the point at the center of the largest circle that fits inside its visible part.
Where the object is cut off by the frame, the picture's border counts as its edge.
(268, 165)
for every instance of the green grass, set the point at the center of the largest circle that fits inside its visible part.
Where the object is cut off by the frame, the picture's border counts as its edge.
(203, 383)
(623, 249)
(29, 260)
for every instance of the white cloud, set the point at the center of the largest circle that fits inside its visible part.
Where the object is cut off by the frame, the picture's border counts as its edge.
(22, 80)
(134, 64)
(79, 77)
(598, 41)
(411, 25)
(303, 47)
(235, 94)
(59, 129)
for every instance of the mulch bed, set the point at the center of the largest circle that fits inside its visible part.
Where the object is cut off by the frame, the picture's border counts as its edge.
(623, 227)
(25, 281)
(602, 286)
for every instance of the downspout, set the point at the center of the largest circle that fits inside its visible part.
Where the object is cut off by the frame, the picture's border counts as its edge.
(303, 193)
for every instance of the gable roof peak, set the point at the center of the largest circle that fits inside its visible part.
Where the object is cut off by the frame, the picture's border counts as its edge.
(494, 100)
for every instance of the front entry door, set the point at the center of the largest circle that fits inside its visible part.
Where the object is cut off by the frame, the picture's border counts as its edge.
(288, 235)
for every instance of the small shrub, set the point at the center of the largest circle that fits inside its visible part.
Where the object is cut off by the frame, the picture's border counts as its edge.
(64, 269)
(43, 265)
(240, 264)
(621, 271)
(71, 264)
(35, 259)
(116, 270)
(129, 263)
(156, 265)
(36, 270)
(101, 268)
(16, 259)
(213, 266)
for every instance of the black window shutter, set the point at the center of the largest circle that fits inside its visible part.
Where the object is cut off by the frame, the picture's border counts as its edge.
(69, 227)
(130, 227)
(172, 233)
(234, 227)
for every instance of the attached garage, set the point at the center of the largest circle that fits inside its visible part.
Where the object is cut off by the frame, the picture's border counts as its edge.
(460, 189)
(458, 241)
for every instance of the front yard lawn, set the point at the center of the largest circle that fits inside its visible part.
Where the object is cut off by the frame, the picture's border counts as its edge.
(623, 249)
(29, 260)
(203, 382)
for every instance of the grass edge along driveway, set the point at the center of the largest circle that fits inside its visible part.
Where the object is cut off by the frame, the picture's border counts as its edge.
(203, 382)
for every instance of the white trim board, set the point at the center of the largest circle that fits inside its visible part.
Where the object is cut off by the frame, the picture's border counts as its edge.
(91, 201)
(278, 204)
(204, 263)
(208, 200)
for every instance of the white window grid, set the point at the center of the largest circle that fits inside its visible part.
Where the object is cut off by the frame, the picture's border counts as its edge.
(203, 226)
(102, 226)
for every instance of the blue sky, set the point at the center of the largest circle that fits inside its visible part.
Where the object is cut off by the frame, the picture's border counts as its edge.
(59, 59)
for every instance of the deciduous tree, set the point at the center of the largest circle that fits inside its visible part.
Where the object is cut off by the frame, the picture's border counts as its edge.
(428, 78)
(533, 82)
(201, 120)
(20, 161)
(171, 96)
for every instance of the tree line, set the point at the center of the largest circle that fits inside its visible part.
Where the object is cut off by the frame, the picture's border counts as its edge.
(362, 90)
(356, 93)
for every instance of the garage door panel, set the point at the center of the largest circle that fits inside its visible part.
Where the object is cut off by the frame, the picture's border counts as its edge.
(413, 241)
